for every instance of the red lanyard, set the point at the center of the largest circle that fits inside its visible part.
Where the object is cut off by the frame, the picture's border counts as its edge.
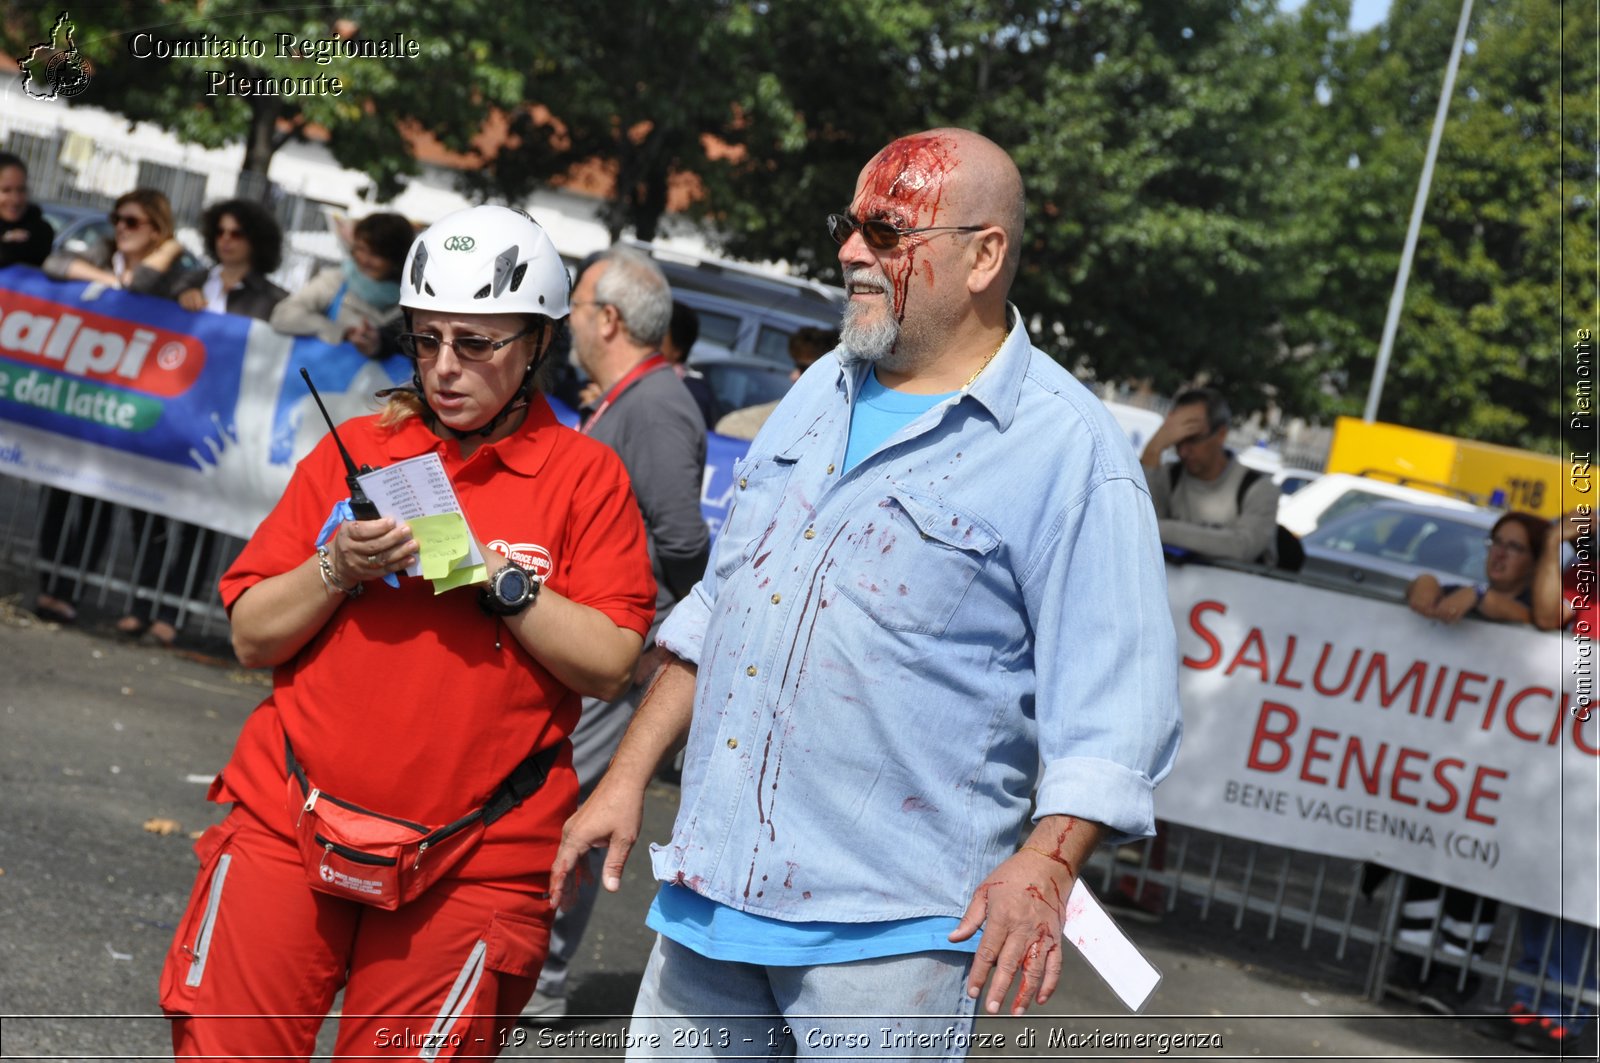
(650, 365)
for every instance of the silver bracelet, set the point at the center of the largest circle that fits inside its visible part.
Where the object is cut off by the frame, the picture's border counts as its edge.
(329, 581)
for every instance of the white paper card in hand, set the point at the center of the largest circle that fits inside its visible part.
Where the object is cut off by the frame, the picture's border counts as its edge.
(416, 487)
(1114, 958)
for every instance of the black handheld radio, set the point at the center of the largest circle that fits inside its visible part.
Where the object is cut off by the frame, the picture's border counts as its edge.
(361, 506)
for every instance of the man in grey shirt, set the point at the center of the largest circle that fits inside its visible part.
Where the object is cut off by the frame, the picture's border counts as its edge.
(1202, 501)
(621, 309)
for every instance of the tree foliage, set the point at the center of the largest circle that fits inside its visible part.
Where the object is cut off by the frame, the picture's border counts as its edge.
(1217, 190)
(465, 68)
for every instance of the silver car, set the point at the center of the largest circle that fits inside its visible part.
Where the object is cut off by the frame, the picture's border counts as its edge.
(1382, 547)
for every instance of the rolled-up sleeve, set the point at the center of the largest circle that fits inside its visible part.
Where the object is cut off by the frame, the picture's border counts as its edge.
(1106, 660)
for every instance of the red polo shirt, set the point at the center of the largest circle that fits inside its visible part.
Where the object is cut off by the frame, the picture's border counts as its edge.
(401, 703)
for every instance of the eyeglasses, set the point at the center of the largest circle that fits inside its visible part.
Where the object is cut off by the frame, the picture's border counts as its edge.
(1508, 545)
(884, 235)
(574, 304)
(424, 346)
(232, 234)
(128, 221)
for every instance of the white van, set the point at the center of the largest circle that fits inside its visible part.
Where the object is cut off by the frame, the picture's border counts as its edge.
(1333, 494)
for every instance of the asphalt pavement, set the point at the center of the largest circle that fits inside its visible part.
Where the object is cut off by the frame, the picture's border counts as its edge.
(105, 752)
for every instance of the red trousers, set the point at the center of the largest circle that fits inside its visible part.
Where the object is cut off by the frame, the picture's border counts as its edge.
(259, 956)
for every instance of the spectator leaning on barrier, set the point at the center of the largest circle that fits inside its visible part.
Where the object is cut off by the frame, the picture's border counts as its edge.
(806, 348)
(395, 705)
(143, 255)
(1506, 593)
(915, 612)
(359, 300)
(620, 310)
(25, 235)
(243, 239)
(1562, 952)
(1207, 501)
(1464, 921)
(675, 347)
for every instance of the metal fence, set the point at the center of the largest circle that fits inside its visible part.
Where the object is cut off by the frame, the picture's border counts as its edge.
(1265, 891)
(115, 559)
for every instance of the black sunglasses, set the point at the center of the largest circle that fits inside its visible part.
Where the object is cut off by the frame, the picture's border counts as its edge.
(884, 235)
(425, 347)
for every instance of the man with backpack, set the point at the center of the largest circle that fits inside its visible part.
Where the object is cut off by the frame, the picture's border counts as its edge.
(1207, 502)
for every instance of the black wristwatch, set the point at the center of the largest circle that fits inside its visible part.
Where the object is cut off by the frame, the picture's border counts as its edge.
(511, 590)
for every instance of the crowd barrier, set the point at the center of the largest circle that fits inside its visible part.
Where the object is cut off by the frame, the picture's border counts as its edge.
(1322, 730)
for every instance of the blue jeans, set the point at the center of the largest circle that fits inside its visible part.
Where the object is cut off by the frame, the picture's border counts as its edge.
(912, 1007)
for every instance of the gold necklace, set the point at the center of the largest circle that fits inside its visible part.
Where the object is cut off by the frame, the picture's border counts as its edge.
(968, 385)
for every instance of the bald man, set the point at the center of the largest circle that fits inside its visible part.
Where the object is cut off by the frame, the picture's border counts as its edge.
(936, 610)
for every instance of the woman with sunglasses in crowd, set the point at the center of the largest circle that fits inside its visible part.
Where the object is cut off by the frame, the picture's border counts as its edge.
(143, 254)
(243, 239)
(394, 705)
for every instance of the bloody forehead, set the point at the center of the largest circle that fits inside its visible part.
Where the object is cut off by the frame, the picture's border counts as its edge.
(908, 176)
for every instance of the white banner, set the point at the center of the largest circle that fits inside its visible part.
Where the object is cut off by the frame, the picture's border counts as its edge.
(1337, 724)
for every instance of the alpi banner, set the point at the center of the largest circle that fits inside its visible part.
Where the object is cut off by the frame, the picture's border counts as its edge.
(197, 416)
(1342, 725)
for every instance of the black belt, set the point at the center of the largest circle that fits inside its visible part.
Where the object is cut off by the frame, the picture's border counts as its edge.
(523, 782)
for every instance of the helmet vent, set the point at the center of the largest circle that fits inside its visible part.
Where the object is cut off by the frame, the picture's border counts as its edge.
(504, 264)
(481, 293)
(419, 262)
(517, 275)
(427, 287)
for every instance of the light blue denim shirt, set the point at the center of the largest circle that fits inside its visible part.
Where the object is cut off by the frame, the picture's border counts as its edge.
(898, 662)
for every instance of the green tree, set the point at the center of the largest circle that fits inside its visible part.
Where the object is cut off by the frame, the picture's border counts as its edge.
(1478, 345)
(465, 68)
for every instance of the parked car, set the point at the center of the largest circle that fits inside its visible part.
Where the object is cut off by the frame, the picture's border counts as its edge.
(739, 380)
(1334, 494)
(747, 310)
(79, 229)
(747, 315)
(1383, 546)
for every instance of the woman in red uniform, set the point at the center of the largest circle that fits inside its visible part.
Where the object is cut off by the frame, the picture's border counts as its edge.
(394, 709)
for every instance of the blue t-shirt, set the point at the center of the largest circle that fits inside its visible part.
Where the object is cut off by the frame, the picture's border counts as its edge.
(879, 413)
(719, 932)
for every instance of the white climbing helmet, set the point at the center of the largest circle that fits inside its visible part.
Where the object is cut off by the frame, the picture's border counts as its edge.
(485, 260)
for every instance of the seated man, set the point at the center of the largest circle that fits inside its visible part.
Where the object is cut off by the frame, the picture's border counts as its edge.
(1207, 501)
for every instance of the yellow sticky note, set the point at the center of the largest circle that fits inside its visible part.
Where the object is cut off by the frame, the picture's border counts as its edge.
(461, 577)
(441, 542)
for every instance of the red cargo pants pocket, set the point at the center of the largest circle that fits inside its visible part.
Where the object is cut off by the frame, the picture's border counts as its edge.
(495, 980)
(184, 972)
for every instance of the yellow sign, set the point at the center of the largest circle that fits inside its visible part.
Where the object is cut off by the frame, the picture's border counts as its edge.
(1430, 461)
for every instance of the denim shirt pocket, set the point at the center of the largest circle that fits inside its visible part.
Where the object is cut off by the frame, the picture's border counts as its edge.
(910, 567)
(757, 497)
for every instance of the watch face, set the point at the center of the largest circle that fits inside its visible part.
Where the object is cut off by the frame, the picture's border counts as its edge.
(512, 586)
